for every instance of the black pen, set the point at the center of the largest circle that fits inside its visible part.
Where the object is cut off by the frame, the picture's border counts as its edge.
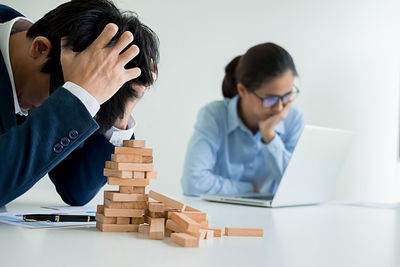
(57, 218)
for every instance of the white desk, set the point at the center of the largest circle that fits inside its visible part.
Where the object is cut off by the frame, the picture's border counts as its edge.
(327, 235)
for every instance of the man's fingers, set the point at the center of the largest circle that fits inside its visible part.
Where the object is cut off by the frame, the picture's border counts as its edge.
(123, 41)
(131, 74)
(109, 31)
(129, 54)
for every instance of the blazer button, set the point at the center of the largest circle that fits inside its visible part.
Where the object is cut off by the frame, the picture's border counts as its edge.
(73, 134)
(58, 148)
(65, 141)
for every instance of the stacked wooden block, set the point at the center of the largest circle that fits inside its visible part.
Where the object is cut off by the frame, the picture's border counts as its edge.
(131, 168)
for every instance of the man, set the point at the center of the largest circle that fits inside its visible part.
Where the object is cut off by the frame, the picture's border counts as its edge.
(68, 85)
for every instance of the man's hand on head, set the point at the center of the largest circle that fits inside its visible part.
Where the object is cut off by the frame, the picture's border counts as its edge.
(99, 69)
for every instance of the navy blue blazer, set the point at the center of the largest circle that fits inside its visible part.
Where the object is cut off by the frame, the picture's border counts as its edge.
(59, 138)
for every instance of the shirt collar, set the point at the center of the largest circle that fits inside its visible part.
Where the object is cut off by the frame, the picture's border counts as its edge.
(234, 121)
(5, 32)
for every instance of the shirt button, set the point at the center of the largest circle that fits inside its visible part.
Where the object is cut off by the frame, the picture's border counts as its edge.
(58, 148)
(73, 134)
(65, 141)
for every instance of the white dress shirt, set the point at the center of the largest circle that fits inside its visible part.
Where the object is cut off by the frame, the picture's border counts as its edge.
(114, 135)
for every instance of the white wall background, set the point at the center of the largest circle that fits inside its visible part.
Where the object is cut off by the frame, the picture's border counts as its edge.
(346, 52)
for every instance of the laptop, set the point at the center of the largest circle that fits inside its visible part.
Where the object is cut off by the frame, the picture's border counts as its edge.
(311, 174)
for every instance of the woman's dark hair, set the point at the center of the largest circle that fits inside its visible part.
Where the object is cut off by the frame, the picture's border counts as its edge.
(81, 22)
(260, 64)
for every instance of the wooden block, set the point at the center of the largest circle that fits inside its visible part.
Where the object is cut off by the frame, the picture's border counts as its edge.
(137, 220)
(184, 240)
(156, 207)
(117, 173)
(147, 159)
(151, 175)
(103, 219)
(188, 208)
(140, 205)
(166, 200)
(100, 209)
(167, 232)
(123, 220)
(127, 158)
(117, 227)
(138, 175)
(209, 234)
(157, 214)
(231, 231)
(134, 143)
(123, 212)
(123, 166)
(217, 231)
(134, 151)
(127, 181)
(199, 217)
(183, 220)
(203, 223)
(112, 204)
(157, 229)
(173, 226)
(144, 228)
(116, 196)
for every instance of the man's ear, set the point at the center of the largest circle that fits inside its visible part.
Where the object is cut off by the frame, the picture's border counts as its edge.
(242, 91)
(40, 47)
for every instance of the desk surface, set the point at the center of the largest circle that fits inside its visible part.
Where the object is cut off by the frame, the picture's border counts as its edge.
(325, 235)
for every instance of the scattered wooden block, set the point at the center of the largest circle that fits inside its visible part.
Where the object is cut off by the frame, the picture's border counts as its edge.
(137, 220)
(167, 232)
(134, 143)
(188, 224)
(103, 219)
(166, 200)
(199, 217)
(209, 234)
(157, 214)
(117, 173)
(157, 229)
(123, 166)
(173, 226)
(116, 196)
(140, 205)
(156, 206)
(189, 208)
(100, 209)
(203, 224)
(117, 227)
(217, 231)
(134, 150)
(184, 240)
(112, 204)
(123, 220)
(123, 212)
(144, 228)
(127, 181)
(231, 231)
(151, 175)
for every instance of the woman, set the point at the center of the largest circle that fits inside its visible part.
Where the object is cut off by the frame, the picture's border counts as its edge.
(243, 143)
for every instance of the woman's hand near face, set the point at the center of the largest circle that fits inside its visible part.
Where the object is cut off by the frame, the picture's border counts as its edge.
(267, 126)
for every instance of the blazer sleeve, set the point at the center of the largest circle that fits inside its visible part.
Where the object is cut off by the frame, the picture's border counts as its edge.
(79, 176)
(50, 133)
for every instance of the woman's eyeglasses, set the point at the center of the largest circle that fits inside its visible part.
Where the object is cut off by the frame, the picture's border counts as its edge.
(272, 100)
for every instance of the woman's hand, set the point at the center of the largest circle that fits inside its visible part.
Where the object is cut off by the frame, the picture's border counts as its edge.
(267, 126)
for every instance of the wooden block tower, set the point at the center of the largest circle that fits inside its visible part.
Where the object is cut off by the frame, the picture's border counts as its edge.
(131, 168)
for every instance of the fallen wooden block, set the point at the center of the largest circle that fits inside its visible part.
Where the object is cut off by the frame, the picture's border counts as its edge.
(157, 214)
(166, 200)
(189, 208)
(117, 173)
(116, 196)
(116, 227)
(184, 240)
(134, 143)
(123, 220)
(144, 228)
(156, 231)
(134, 150)
(194, 215)
(156, 206)
(123, 166)
(188, 224)
(231, 231)
(123, 212)
(151, 175)
(127, 181)
(173, 226)
(217, 231)
(106, 220)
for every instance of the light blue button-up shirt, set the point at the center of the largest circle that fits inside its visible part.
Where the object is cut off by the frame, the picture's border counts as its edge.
(224, 157)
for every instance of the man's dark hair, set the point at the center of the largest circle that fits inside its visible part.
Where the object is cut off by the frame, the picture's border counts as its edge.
(81, 22)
